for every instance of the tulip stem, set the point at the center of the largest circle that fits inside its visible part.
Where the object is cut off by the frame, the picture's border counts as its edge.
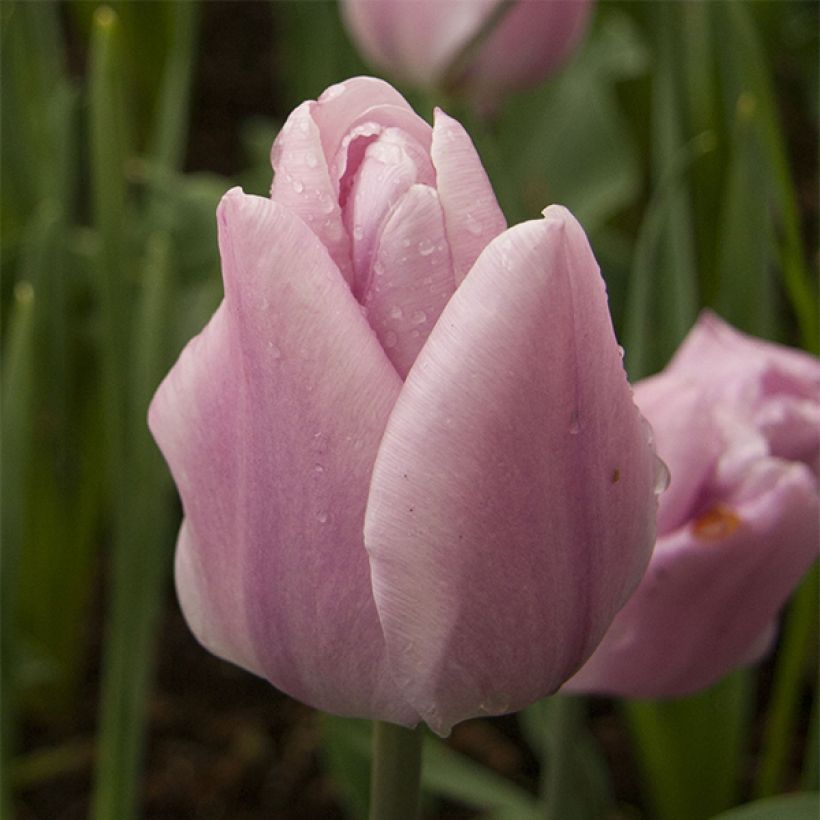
(565, 714)
(396, 772)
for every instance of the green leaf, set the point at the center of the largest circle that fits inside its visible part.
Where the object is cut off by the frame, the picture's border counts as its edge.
(17, 395)
(805, 806)
(692, 750)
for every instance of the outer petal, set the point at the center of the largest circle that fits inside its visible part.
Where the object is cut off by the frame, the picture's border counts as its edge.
(302, 184)
(713, 589)
(413, 278)
(270, 423)
(471, 212)
(512, 504)
(721, 357)
(689, 440)
(534, 38)
(416, 39)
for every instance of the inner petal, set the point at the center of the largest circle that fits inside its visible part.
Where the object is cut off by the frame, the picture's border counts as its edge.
(412, 276)
(390, 163)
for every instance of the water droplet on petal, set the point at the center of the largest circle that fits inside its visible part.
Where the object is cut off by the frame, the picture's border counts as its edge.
(426, 247)
(574, 424)
(318, 469)
(304, 125)
(473, 225)
(419, 317)
(621, 351)
(390, 339)
(310, 160)
(321, 517)
(275, 352)
(396, 312)
(358, 232)
(298, 186)
(661, 476)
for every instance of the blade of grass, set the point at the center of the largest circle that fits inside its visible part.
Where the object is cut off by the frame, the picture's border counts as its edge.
(798, 647)
(746, 294)
(745, 70)
(663, 301)
(691, 749)
(17, 384)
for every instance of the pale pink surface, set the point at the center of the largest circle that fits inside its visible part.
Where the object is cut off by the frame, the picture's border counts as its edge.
(738, 422)
(514, 439)
(513, 470)
(418, 40)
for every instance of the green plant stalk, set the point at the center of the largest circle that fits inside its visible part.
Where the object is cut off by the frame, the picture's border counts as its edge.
(745, 69)
(691, 749)
(797, 644)
(17, 386)
(565, 715)
(396, 772)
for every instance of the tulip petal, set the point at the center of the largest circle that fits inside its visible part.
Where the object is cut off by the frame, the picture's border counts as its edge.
(689, 440)
(391, 164)
(709, 599)
(302, 185)
(511, 510)
(270, 423)
(471, 211)
(415, 39)
(413, 277)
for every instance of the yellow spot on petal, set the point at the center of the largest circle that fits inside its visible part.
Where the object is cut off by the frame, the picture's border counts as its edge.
(717, 523)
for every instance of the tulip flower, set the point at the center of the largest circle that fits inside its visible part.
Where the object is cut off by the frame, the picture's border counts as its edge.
(419, 41)
(738, 422)
(415, 483)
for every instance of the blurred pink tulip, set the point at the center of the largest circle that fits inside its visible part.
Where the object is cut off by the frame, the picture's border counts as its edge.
(418, 40)
(738, 422)
(415, 482)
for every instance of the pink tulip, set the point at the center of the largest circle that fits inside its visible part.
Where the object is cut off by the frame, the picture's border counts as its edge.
(418, 40)
(414, 479)
(738, 422)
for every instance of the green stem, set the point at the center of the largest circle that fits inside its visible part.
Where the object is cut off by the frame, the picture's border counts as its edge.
(396, 773)
(565, 714)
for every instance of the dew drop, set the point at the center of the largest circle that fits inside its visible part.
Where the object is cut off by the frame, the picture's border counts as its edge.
(390, 339)
(621, 351)
(405, 242)
(310, 160)
(304, 125)
(396, 312)
(426, 247)
(321, 517)
(419, 317)
(574, 424)
(275, 352)
(358, 232)
(318, 469)
(661, 476)
(298, 186)
(473, 225)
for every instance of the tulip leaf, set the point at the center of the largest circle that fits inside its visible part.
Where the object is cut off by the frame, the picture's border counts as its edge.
(805, 806)
(691, 749)
(796, 655)
(747, 82)
(17, 395)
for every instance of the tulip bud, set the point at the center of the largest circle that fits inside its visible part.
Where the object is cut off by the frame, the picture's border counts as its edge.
(738, 422)
(420, 41)
(415, 484)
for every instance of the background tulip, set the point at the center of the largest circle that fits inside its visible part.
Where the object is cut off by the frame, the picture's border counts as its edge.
(418, 40)
(738, 422)
(445, 546)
